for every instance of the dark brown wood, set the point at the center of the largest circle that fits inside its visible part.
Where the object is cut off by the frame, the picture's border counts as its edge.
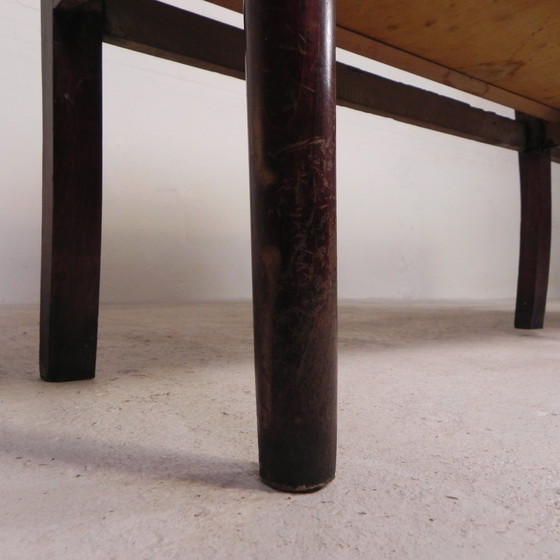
(291, 103)
(161, 30)
(552, 133)
(534, 258)
(553, 136)
(373, 94)
(72, 4)
(71, 53)
(168, 32)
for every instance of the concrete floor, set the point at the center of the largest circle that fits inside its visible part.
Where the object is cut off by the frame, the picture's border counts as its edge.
(449, 436)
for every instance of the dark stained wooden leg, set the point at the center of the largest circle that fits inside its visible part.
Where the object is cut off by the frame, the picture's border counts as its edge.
(534, 259)
(291, 102)
(71, 51)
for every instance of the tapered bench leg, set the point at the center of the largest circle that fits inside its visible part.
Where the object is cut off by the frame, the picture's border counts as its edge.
(71, 52)
(534, 259)
(291, 102)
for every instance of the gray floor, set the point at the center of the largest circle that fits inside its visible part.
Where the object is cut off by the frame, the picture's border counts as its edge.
(449, 438)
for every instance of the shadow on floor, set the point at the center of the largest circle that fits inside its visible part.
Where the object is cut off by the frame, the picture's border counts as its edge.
(47, 449)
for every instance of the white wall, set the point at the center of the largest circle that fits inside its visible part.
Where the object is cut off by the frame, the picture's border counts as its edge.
(421, 214)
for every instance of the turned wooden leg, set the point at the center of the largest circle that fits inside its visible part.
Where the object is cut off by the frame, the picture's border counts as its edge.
(71, 52)
(291, 102)
(534, 259)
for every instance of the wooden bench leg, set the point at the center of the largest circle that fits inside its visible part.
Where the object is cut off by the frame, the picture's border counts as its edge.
(291, 102)
(534, 259)
(71, 52)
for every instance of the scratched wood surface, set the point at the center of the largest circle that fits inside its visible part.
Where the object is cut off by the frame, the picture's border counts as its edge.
(292, 135)
(504, 50)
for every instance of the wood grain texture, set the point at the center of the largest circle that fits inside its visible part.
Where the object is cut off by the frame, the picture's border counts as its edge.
(534, 257)
(71, 52)
(506, 51)
(510, 44)
(291, 106)
(165, 31)
(398, 58)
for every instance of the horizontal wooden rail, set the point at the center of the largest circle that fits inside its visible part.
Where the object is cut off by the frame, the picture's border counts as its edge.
(380, 96)
(172, 33)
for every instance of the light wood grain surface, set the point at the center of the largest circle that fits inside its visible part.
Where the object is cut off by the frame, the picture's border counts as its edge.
(503, 50)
